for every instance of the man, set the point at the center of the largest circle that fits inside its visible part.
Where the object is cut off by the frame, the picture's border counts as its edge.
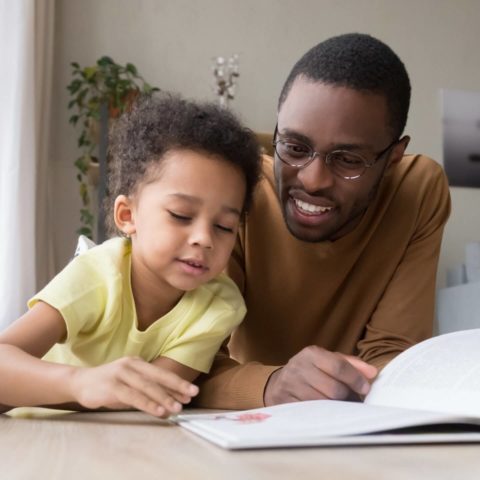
(337, 259)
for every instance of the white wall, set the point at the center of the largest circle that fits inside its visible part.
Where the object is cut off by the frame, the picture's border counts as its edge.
(172, 43)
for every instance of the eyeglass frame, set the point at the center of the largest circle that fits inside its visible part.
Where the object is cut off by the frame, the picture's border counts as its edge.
(326, 156)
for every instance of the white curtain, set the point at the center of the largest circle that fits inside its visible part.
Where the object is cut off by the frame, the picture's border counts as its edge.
(26, 56)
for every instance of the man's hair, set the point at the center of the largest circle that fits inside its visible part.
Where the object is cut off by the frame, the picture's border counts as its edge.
(158, 124)
(360, 62)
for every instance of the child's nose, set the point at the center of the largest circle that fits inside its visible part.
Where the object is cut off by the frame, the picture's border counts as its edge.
(201, 235)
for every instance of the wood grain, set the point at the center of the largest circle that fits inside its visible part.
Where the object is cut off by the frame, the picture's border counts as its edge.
(132, 445)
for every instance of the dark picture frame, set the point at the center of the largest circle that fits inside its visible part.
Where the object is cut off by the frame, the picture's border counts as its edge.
(461, 137)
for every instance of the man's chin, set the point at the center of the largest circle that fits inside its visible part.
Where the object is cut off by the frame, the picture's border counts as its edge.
(308, 234)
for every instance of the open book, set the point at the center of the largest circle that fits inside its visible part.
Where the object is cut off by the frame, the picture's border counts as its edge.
(428, 394)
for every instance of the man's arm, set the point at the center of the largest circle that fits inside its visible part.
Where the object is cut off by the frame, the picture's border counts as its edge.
(232, 385)
(405, 313)
(314, 373)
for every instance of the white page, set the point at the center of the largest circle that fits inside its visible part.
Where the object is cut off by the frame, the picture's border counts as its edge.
(440, 374)
(305, 423)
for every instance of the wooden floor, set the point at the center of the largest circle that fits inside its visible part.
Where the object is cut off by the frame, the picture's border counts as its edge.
(131, 445)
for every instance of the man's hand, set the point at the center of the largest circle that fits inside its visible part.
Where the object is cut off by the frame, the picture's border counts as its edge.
(130, 382)
(315, 373)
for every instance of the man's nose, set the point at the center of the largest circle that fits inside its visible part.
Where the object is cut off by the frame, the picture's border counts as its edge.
(316, 175)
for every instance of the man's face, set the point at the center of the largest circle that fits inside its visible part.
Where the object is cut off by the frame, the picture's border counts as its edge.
(316, 204)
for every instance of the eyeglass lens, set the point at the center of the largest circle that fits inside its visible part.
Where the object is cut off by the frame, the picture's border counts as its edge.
(341, 162)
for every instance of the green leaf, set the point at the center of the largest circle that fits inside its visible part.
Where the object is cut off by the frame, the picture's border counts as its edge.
(131, 68)
(81, 139)
(90, 72)
(105, 61)
(86, 216)
(75, 65)
(82, 163)
(73, 119)
(85, 231)
(74, 86)
(84, 194)
(81, 96)
(111, 83)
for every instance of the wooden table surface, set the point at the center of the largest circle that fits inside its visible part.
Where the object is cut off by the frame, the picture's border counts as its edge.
(133, 445)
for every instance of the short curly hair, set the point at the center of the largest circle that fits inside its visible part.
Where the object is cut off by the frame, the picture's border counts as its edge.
(159, 123)
(361, 62)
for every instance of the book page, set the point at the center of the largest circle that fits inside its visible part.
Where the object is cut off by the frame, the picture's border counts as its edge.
(440, 374)
(313, 422)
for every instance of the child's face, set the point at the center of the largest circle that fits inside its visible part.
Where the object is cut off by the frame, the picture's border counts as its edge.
(184, 222)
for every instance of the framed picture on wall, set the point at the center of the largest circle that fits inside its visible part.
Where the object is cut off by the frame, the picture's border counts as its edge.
(461, 137)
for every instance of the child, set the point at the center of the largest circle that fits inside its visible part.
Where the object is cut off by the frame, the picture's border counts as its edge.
(133, 321)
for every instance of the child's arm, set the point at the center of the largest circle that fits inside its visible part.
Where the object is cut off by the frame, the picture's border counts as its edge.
(128, 382)
(181, 370)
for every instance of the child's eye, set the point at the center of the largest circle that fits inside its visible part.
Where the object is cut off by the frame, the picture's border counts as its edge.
(176, 216)
(223, 228)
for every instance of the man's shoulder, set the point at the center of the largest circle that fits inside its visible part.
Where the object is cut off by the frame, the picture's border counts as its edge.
(415, 191)
(418, 175)
(418, 166)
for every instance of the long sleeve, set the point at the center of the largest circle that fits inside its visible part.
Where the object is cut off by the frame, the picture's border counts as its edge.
(405, 311)
(231, 385)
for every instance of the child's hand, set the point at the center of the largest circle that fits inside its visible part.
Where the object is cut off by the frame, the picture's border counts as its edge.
(132, 382)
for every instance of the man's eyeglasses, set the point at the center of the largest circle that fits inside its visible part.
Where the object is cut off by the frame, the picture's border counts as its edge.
(343, 163)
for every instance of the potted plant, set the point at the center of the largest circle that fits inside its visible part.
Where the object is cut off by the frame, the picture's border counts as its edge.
(105, 83)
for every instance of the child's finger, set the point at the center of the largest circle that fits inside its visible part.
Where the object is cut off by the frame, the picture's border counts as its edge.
(180, 398)
(167, 379)
(146, 388)
(138, 400)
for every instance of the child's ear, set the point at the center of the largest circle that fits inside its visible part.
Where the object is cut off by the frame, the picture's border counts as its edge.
(123, 215)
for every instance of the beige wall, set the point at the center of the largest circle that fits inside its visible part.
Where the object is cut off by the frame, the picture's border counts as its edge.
(172, 43)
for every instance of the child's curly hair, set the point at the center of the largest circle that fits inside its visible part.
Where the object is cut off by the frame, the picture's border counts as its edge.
(157, 124)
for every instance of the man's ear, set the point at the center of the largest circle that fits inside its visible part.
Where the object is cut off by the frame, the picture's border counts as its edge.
(398, 150)
(123, 215)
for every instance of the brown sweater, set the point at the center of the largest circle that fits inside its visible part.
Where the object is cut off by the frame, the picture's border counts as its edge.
(370, 293)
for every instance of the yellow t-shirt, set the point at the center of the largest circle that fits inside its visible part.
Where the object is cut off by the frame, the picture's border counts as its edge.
(93, 294)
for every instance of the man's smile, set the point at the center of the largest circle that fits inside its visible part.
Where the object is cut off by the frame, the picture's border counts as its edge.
(310, 208)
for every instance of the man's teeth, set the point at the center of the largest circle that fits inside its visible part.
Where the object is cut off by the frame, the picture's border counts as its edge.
(309, 208)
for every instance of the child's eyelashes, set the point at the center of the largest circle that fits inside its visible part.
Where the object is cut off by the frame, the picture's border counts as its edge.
(224, 229)
(177, 216)
(186, 219)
